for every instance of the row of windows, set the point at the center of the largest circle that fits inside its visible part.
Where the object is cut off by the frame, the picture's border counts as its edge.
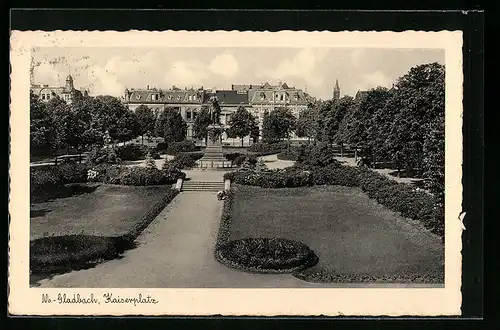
(155, 97)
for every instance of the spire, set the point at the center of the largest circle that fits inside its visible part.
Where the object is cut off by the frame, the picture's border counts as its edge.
(336, 90)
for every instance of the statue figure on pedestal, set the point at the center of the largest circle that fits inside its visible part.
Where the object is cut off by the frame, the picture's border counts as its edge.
(215, 110)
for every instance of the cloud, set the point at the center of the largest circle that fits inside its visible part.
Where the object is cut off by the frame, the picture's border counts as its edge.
(225, 65)
(184, 73)
(302, 65)
(376, 79)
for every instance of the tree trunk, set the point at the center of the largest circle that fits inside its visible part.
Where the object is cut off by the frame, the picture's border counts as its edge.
(341, 150)
(242, 142)
(356, 154)
(142, 137)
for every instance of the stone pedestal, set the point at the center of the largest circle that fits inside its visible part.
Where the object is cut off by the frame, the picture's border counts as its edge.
(213, 157)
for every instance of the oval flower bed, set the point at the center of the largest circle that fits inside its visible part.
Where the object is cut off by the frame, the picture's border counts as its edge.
(266, 255)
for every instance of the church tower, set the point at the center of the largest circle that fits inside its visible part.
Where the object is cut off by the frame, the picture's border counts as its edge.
(336, 90)
(69, 84)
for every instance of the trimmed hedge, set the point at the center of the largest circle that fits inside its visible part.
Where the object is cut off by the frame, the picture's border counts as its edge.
(266, 255)
(280, 178)
(225, 223)
(137, 175)
(328, 276)
(291, 153)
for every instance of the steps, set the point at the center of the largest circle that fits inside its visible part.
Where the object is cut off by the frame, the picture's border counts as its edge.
(209, 186)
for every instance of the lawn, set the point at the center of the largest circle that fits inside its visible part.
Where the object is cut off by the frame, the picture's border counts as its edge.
(355, 238)
(101, 210)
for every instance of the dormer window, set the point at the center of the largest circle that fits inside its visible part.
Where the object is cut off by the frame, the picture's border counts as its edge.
(170, 97)
(194, 97)
(178, 97)
(138, 96)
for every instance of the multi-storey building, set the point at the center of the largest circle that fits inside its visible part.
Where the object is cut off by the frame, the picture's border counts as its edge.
(258, 99)
(68, 92)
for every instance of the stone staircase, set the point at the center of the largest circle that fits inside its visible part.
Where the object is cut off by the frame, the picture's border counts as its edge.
(209, 186)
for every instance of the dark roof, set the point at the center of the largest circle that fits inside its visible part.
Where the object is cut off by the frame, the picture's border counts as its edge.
(232, 97)
(361, 94)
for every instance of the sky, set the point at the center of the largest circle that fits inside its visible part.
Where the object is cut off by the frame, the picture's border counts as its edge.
(108, 71)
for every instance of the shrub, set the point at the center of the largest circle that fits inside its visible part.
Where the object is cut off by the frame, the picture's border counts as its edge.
(333, 175)
(263, 148)
(185, 160)
(232, 156)
(44, 180)
(291, 153)
(240, 160)
(103, 156)
(136, 175)
(184, 146)
(288, 177)
(266, 255)
(133, 152)
(320, 154)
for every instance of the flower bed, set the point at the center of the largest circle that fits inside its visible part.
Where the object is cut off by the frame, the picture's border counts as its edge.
(266, 255)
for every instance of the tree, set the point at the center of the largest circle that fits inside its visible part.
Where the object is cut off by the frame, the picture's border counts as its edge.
(171, 126)
(307, 123)
(255, 131)
(267, 130)
(279, 124)
(41, 128)
(201, 123)
(418, 101)
(146, 120)
(242, 122)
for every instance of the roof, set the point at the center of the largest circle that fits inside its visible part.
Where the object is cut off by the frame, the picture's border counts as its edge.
(267, 96)
(165, 96)
(37, 89)
(361, 94)
(232, 97)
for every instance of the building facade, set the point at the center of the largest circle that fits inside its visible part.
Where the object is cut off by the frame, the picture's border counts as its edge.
(68, 92)
(257, 99)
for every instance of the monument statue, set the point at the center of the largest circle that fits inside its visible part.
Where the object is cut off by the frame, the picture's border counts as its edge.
(215, 110)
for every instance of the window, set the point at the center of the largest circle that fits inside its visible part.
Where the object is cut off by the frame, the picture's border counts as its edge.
(48, 96)
(170, 97)
(190, 97)
(282, 97)
(188, 115)
(43, 96)
(178, 97)
(195, 113)
(194, 97)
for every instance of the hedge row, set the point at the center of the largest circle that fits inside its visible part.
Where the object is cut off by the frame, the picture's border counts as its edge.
(44, 181)
(281, 178)
(133, 152)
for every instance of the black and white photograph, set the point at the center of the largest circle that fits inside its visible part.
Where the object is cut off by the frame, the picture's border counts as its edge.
(250, 166)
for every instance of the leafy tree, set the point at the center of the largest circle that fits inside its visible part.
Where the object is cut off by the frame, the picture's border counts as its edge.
(267, 130)
(41, 128)
(171, 126)
(419, 100)
(146, 120)
(279, 124)
(201, 123)
(120, 122)
(242, 122)
(307, 123)
(255, 131)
